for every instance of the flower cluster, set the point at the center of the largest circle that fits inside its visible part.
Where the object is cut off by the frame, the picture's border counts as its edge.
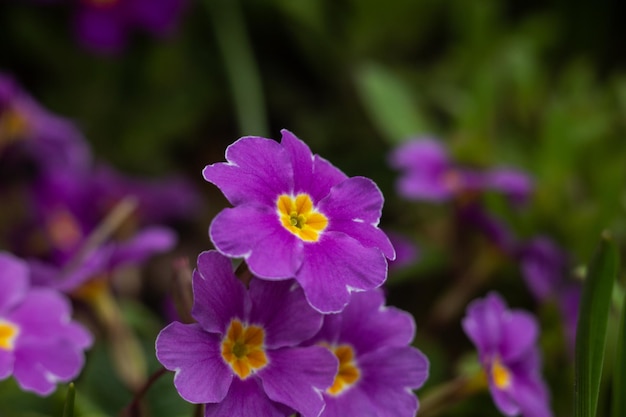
(310, 334)
(75, 223)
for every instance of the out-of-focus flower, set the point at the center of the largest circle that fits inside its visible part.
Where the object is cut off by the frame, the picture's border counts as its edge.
(377, 367)
(407, 252)
(75, 236)
(506, 341)
(544, 267)
(39, 344)
(242, 357)
(429, 174)
(296, 215)
(49, 140)
(105, 25)
(495, 230)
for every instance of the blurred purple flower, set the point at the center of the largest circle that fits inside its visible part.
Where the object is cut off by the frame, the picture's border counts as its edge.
(544, 267)
(407, 252)
(51, 141)
(377, 366)
(506, 341)
(72, 247)
(296, 215)
(39, 344)
(429, 174)
(105, 25)
(568, 301)
(243, 357)
(495, 230)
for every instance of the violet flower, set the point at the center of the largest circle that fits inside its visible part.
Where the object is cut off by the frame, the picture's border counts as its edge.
(506, 341)
(51, 141)
(296, 215)
(429, 174)
(377, 366)
(544, 267)
(242, 358)
(39, 344)
(69, 209)
(105, 25)
(407, 252)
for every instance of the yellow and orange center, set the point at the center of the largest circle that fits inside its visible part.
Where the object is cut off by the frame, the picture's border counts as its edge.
(8, 334)
(298, 215)
(500, 374)
(243, 348)
(348, 373)
(13, 126)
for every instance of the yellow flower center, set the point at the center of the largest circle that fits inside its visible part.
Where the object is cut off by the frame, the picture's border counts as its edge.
(8, 334)
(299, 217)
(348, 373)
(13, 126)
(242, 348)
(500, 374)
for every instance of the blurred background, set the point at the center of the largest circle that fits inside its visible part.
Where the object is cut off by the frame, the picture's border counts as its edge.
(535, 85)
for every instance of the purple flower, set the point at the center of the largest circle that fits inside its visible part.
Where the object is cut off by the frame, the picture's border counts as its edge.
(377, 367)
(506, 341)
(296, 215)
(39, 344)
(242, 358)
(544, 267)
(105, 25)
(407, 252)
(49, 140)
(429, 174)
(69, 211)
(495, 230)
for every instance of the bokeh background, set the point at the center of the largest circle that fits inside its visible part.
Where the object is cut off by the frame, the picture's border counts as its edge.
(537, 85)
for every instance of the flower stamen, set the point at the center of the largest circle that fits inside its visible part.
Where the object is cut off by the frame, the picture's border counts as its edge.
(8, 334)
(348, 373)
(500, 374)
(243, 349)
(298, 215)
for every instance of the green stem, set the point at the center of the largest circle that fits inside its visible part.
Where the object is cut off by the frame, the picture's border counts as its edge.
(241, 67)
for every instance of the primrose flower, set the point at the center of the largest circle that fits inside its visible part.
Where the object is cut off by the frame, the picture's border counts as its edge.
(68, 211)
(377, 367)
(297, 216)
(506, 341)
(104, 25)
(39, 344)
(544, 267)
(430, 174)
(242, 357)
(49, 140)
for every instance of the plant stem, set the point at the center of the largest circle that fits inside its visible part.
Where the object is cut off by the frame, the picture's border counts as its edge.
(133, 409)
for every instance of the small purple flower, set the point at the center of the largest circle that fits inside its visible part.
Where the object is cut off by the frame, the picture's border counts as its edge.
(69, 209)
(39, 344)
(377, 367)
(544, 267)
(105, 25)
(407, 252)
(495, 230)
(506, 341)
(49, 140)
(429, 174)
(243, 356)
(297, 216)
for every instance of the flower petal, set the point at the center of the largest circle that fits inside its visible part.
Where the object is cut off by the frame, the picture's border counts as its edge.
(482, 324)
(296, 377)
(195, 356)
(218, 295)
(143, 245)
(39, 366)
(258, 171)
(6, 363)
(336, 265)
(519, 334)
(283, 311)
(357, 198)
(13, 281)
(246, 399)
(368, 325)
(255, 232)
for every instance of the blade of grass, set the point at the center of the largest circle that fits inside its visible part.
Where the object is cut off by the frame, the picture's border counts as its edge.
(619, 373)
(68, 409)
(592, 326)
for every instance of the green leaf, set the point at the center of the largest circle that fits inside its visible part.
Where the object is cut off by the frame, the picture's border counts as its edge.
(391, 104)
(68, 409)
(619, 372)
(592, 326)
